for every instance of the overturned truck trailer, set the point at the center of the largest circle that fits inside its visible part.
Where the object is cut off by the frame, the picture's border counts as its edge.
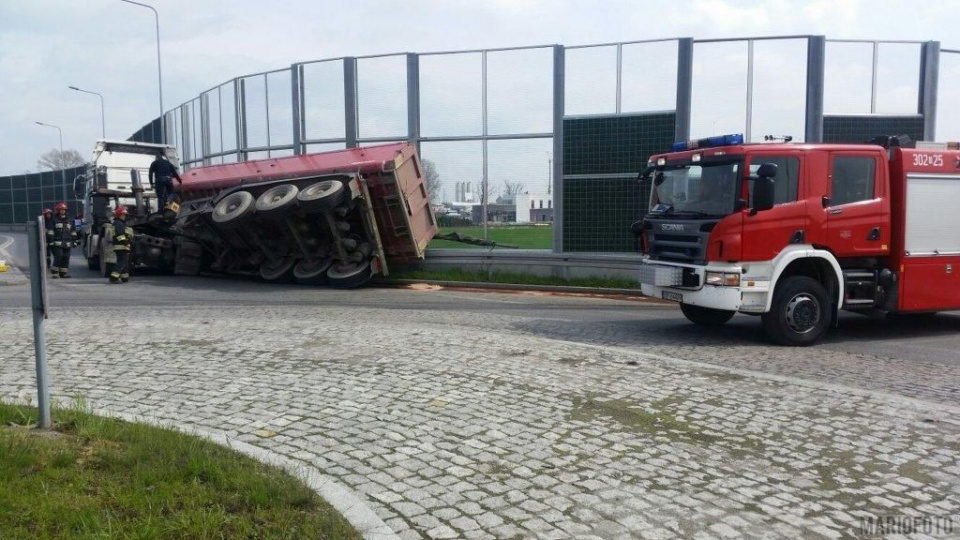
(335, 218)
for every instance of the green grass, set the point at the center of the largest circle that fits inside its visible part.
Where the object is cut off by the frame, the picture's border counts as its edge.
(511, 278)
(522, 236)
(94, 477)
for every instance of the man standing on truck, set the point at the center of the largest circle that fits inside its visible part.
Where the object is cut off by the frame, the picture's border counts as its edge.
(121, 237)
(164, 172)
(64, 236)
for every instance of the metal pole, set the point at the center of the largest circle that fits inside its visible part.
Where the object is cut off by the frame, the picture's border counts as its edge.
(873, 78)
(350, 101)
(38, 276)
(559, 101)
(816, 55)
(929, 73)
(684, 89)
(486, 184)
(156, 17)
(619, 76)
(296, 102)
(749, 125)
(103, 121)
(413, 99)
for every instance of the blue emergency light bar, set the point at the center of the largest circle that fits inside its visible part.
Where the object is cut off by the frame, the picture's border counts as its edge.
(709, 142)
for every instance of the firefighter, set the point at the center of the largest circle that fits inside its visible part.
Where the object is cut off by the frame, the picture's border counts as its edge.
(48, 226)
(161, 176)
(122, 238)
(64, 236)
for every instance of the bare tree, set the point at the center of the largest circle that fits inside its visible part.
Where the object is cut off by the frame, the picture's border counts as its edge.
(489, 197)
(432, 178)
(54, 160)
(513, 188)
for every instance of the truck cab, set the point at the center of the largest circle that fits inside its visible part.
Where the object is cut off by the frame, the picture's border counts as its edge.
(789, 232)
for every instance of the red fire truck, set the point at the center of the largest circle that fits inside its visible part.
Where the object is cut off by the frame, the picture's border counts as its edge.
(796, 232)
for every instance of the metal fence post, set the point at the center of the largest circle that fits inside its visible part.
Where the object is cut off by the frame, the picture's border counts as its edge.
(681, 130)
(350, 101)
(559, 74)
(816, 61)
(38, 276)
(296, 106)
(413, 99)
(929, 75)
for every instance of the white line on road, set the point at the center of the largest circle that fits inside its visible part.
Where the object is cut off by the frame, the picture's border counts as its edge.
(5, 245)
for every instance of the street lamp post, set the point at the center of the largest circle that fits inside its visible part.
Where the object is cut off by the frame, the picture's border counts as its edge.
(156, 16)
(63, 178)
(103, 121)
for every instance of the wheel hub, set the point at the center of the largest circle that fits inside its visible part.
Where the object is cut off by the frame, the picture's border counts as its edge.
(803, 313)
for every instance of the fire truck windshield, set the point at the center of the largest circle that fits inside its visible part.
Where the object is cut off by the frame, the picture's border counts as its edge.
(702, 190)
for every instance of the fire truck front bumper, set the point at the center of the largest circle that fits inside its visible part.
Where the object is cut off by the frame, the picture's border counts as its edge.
(720, 286)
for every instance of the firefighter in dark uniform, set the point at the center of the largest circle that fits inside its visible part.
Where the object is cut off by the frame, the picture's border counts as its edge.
(64, 235)
(122, 238)
(161, 175)
(48, 226)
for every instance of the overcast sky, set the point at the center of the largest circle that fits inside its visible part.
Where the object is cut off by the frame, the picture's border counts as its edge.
(108, 46)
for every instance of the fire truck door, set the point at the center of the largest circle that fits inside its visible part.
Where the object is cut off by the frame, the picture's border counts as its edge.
(858, 220)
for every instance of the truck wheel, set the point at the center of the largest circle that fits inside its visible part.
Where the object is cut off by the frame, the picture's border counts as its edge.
(105, 267)
(278, 201)
(801, 312)
(312, 272)
(277, 270)
(706, 316)
(349, 276)
(93, 261)
(234, 210)
(322, 196)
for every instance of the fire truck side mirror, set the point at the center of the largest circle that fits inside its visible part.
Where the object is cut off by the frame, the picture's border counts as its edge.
(763, 188)
(80, 186)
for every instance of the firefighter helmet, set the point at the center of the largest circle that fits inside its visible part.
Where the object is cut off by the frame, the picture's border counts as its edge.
(61, 206)
(121, 211)
(47, 211)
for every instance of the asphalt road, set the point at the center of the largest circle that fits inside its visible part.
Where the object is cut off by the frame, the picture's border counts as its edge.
(918, 359)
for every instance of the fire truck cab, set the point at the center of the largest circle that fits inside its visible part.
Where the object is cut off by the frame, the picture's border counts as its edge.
(795, 232)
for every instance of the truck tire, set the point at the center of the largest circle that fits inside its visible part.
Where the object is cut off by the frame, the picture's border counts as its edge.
(349, 276)
(105, 267)
(322, 196)
(277, 270)
(704, 316)
(234, 210)
(800, 314)
(312, 272)
(93, 261)
(278, 201)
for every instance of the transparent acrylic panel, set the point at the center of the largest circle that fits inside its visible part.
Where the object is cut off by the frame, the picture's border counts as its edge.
(212, 121)
(719, 78)
(518, 173)
(280, 97)
(382, 96)
(186, 117)
(253, 156)
(520, 91)
(178, 132)
(847, 78)
(229, 158)
(324, 147)
(649, 77)
(779, 88)
(323, 100)
(459, 170)
(898, 78)
(590, 81)
(451, 94)
(255, 110)
(284, 152)
(948, 110)
(228, 117)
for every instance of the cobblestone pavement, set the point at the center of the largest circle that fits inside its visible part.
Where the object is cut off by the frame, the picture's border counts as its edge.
(455, 424)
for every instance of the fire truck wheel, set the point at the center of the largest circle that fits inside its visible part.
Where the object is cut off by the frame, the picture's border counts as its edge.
(801, 312)
(322, 196)
(706, 316)
(349, 276)
(234, 210)
(105, 267)
(278, 201)
(277, 270)
(312, 272)
(93, 261)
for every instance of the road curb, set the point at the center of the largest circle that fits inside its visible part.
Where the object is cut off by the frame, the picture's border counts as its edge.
(510, 287)
(340, 497)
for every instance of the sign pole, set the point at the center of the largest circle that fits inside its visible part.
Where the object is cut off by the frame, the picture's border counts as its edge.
(38, 294)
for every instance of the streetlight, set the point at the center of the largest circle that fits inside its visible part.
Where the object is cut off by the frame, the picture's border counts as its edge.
(63, 179)
(156, 16)
(103, 121)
